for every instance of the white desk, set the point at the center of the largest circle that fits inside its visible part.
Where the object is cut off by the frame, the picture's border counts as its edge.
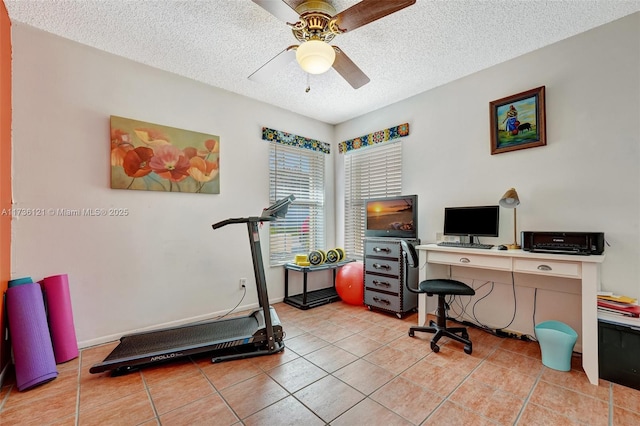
(584, 268)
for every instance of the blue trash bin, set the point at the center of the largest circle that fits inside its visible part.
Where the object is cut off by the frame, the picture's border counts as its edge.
(556, 341)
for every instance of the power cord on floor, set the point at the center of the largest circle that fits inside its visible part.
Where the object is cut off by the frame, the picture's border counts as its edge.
(459, 318)
(473, 310)
(499, 332)
(244, 288)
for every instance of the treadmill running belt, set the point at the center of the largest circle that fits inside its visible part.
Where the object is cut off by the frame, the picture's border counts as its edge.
(186, 336)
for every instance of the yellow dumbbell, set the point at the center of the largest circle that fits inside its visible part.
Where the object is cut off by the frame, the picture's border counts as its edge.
(333, 256)
(317, 257)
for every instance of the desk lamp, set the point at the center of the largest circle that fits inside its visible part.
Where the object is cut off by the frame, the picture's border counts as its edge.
(510, 200)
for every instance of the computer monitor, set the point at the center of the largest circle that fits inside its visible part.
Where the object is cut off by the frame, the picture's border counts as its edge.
(474, 221)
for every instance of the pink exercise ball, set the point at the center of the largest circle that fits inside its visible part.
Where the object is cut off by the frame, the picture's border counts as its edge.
(350, 283)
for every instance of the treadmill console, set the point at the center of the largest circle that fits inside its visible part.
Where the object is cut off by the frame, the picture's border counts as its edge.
(279, 208)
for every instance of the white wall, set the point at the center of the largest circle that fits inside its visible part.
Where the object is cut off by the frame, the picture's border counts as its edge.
(163, 262)
(585, 179)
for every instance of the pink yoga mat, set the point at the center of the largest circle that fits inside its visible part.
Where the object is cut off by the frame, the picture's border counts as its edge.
(32, 349)
(60, 314)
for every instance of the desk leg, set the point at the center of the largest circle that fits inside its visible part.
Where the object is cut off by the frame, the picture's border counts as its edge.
(590, 284)
(422, 298)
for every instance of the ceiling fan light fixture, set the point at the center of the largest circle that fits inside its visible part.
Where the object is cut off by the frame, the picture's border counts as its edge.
(315, 56)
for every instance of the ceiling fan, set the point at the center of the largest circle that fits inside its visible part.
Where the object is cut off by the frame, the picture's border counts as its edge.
(314, 24)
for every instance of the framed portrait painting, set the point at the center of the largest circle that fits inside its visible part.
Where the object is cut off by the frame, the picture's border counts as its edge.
(518, 121)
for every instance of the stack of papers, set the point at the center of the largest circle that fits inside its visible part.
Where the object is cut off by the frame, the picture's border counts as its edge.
(619, 305)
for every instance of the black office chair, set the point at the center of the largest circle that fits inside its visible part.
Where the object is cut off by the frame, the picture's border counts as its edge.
(441, 288)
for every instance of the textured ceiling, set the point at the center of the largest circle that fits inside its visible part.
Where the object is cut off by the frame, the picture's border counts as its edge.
(221, 42)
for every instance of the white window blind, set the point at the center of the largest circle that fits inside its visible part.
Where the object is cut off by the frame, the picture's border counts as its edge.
(369, 173)
(299, 172)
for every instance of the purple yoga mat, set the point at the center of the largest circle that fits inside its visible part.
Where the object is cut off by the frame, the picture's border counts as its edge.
(60, 315)
(32, 349)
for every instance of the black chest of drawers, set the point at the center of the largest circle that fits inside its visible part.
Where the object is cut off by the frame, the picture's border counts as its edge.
(386, 275)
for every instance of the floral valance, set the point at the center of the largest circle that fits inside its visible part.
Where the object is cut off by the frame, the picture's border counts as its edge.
(285, 138)
(380, 136)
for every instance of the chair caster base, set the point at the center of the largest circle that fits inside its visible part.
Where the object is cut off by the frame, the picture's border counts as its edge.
(434, 347)
(468, 349)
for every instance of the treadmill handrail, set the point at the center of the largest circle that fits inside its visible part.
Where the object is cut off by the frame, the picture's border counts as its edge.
(243, 220)
(271, 213)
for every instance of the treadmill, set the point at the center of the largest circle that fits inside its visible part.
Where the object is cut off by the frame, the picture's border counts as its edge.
(256, 334)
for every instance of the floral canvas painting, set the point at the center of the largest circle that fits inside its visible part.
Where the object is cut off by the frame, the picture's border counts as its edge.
(152, 157)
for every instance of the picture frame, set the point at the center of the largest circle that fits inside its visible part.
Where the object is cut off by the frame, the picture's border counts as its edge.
(518, 121)
(153, 157)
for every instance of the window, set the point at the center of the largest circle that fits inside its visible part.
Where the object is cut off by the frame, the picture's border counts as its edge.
(369, 173)
(299, 172)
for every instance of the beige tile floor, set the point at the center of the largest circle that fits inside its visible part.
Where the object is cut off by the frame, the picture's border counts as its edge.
(342, 365)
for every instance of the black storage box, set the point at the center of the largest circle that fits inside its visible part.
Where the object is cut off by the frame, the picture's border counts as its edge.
(619, 353)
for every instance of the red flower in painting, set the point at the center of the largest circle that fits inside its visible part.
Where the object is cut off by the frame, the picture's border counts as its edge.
(170, 163)
(120, 145)
(203, 171)
(190, 152)
(211, 145)
(119, 136)
(136, 162)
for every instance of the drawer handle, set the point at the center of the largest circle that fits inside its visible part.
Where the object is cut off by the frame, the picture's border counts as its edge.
(381, 283)
(544, 268)
(377, 299)
(464, 260)
(379, 266)
(379, 249)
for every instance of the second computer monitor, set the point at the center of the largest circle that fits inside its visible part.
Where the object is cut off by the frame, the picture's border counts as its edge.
(472, 221)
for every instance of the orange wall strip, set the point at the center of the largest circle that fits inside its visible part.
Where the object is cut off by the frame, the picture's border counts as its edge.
(5, 170)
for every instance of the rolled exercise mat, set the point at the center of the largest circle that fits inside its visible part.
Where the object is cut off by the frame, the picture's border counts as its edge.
(32, 349)
(12, 283)
(60, 315)
(18, 281)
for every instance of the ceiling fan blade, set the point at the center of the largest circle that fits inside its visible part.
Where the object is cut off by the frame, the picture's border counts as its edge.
(280, 9)
(368, 11)
(293, 4)
(275, 64)
(349, 70)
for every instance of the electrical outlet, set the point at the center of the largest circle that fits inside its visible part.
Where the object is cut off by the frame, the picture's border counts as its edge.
(243, 283)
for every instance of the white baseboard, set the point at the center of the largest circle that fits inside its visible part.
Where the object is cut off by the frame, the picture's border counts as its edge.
(115, 337)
